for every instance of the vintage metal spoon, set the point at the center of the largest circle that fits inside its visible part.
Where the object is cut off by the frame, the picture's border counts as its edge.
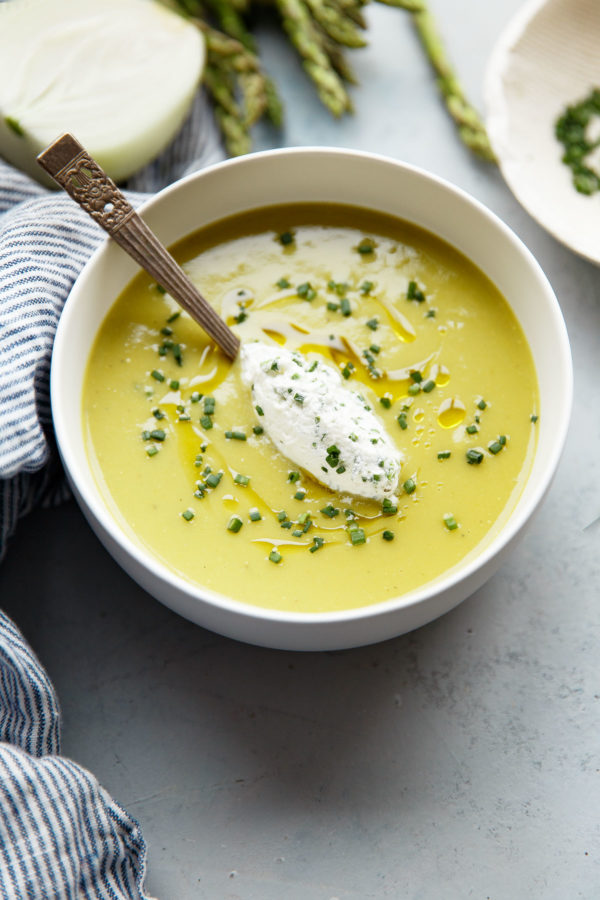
(85, 181)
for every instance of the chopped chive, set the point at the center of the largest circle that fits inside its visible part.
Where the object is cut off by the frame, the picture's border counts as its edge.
(385, 402)
(166, 331)
(414, 389)
(373, 323)
(366, 246)
(174, 385)
(206, 422)
(402, 421)
(357, 536)
(234, 524)
(299, 398)
(286, 237)
(533, 418)
(213, 479)
(209, 405)
(387, 535)
(177, 354)
(282, 516)
(313, 366)
(413, 292)
(254, 515)
(474, 457)
(409, 486)
(158, 376)
(158, 413)
(235, 435)
(366, 287)
(152, 450)
(502, 439)
(471, 429)
(306, 291)
(317, 544)
(428, 386)
(495, 447)
(258, 429)
(482, 404)
(450, 522)
(195, 397)
(332, 307)
(286, 524)
(300, 494)
(375, 348)
(416, 376)
(353, 437)
(297, 532)
(444, 454)
(293, 477)
(188, 514)
(283, 283)
(161, 290)
(348, 370)
(303, 518)
(242, 479)
(330, 511)
(275, 556)
(388, 508)
(145, 435)
(158, 434)
(345, 307)
(174, 316)
(430, 314)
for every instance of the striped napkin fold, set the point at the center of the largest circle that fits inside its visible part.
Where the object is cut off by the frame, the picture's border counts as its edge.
(62, 837)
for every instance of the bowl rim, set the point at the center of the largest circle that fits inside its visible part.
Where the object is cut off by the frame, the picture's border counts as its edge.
(87, 491)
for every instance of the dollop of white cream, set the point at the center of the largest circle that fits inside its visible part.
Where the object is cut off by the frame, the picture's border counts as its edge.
(319, 423)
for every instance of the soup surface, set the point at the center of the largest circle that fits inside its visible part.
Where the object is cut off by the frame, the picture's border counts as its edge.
(187, 469)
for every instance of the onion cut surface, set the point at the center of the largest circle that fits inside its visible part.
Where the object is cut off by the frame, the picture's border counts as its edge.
(120, 75)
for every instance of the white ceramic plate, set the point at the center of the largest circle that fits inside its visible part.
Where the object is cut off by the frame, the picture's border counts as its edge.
(547, 58)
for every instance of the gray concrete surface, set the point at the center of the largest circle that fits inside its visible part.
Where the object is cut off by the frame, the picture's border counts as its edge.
(459, 761)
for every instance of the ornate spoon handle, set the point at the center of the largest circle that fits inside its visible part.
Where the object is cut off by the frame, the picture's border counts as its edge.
(83, 179)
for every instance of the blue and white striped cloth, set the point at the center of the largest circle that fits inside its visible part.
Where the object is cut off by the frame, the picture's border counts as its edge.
(61, 835)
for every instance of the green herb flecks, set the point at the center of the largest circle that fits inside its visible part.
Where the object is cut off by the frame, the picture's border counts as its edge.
(235, 436)
(413, 292)
(306, 291)
(234, 524)
(474, 456)
(571, 129)
(450, 522)
(366, 247)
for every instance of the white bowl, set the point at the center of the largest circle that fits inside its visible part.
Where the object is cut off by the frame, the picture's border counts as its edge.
(545, 60)
(328, 175)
